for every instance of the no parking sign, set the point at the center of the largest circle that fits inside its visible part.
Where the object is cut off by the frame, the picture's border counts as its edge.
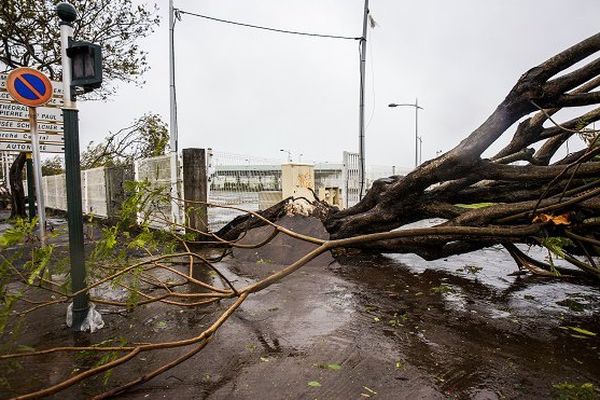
(33, 89)
(29, 87)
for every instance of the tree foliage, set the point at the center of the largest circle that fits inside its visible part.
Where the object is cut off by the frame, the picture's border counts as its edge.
(52, 166)
(30, 37)
(148, 136)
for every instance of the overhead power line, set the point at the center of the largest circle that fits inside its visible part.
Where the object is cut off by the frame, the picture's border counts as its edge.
(320, 35)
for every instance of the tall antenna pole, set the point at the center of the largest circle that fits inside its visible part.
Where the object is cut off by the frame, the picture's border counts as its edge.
(173, 129)
(361, 117)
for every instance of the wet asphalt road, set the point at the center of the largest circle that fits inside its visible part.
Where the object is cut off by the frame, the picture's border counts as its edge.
(386, 327)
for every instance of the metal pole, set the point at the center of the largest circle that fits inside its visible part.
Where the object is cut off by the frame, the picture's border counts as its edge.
(37, 175)
(73, 181)
(174, 133)
(361, 115)
(416, 132)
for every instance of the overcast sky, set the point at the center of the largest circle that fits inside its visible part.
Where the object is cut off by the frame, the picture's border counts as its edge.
(253, 92)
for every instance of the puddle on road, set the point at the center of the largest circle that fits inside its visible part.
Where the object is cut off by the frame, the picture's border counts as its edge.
(298, 319)
(526, 296)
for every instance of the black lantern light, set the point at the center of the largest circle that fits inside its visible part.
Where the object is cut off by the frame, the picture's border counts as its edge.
(86, 65)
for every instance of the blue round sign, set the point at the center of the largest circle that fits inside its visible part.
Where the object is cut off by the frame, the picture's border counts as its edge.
(29, 87)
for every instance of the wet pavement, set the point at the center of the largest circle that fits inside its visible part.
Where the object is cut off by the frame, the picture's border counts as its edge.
(386, 327)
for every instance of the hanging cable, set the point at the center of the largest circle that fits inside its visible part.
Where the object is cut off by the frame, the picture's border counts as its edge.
(320, 35)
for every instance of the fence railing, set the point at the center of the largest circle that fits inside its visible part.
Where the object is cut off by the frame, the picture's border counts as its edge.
(156, 171)
(102, 190)
(245, 182)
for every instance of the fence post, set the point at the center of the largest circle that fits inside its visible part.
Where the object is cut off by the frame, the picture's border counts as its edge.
(195, 189)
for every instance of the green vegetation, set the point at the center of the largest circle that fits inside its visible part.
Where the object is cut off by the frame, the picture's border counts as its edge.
(441, 289)
(476, 205)
(574, 391)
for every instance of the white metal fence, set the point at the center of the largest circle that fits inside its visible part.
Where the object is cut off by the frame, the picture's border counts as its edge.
(94, 192)
(156, 171)
(55, 192)
(239, 180)
(351, 178)
(98, 195)
(242, 181)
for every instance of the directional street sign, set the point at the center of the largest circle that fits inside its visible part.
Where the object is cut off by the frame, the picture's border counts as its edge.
(23, 126)
(15, 127)
(23, 136)
(56, 101)
(17, 111)
(45, 148)
(29, 87)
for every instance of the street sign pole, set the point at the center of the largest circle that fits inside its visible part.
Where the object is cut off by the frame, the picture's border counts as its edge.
(73, 174)
(37, 173)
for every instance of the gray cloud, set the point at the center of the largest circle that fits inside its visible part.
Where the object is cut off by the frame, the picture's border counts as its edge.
(253, 92)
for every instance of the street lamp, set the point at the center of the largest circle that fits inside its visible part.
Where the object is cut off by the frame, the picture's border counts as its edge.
(417, 108)
(289, 153)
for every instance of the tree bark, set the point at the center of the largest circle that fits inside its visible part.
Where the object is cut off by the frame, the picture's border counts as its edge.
(16, 186)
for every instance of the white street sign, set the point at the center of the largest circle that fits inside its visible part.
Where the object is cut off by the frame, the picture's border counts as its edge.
(23, 126)
(14, 136)
(44, 148)
(17, 111)
(5, 97)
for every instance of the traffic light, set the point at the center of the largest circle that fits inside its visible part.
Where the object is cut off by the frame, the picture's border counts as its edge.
(86, 65)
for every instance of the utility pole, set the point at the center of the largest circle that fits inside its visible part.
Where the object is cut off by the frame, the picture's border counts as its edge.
(361, 117)
(173, 128)
(416, 131)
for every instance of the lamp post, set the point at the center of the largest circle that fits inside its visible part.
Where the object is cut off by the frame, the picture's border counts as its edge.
(417, 108)
(289, 153)
(420, 149)
(81, 73)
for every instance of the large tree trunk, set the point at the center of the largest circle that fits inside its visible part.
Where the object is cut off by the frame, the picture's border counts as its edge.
(16, 186)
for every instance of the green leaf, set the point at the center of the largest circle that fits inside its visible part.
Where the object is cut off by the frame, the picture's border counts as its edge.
(161, 325)
(475, 205)
(331, 366)
(314, 384)
(581, 331)
(556, 245)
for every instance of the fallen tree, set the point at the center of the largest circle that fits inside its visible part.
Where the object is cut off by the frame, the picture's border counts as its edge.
(522, 183)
